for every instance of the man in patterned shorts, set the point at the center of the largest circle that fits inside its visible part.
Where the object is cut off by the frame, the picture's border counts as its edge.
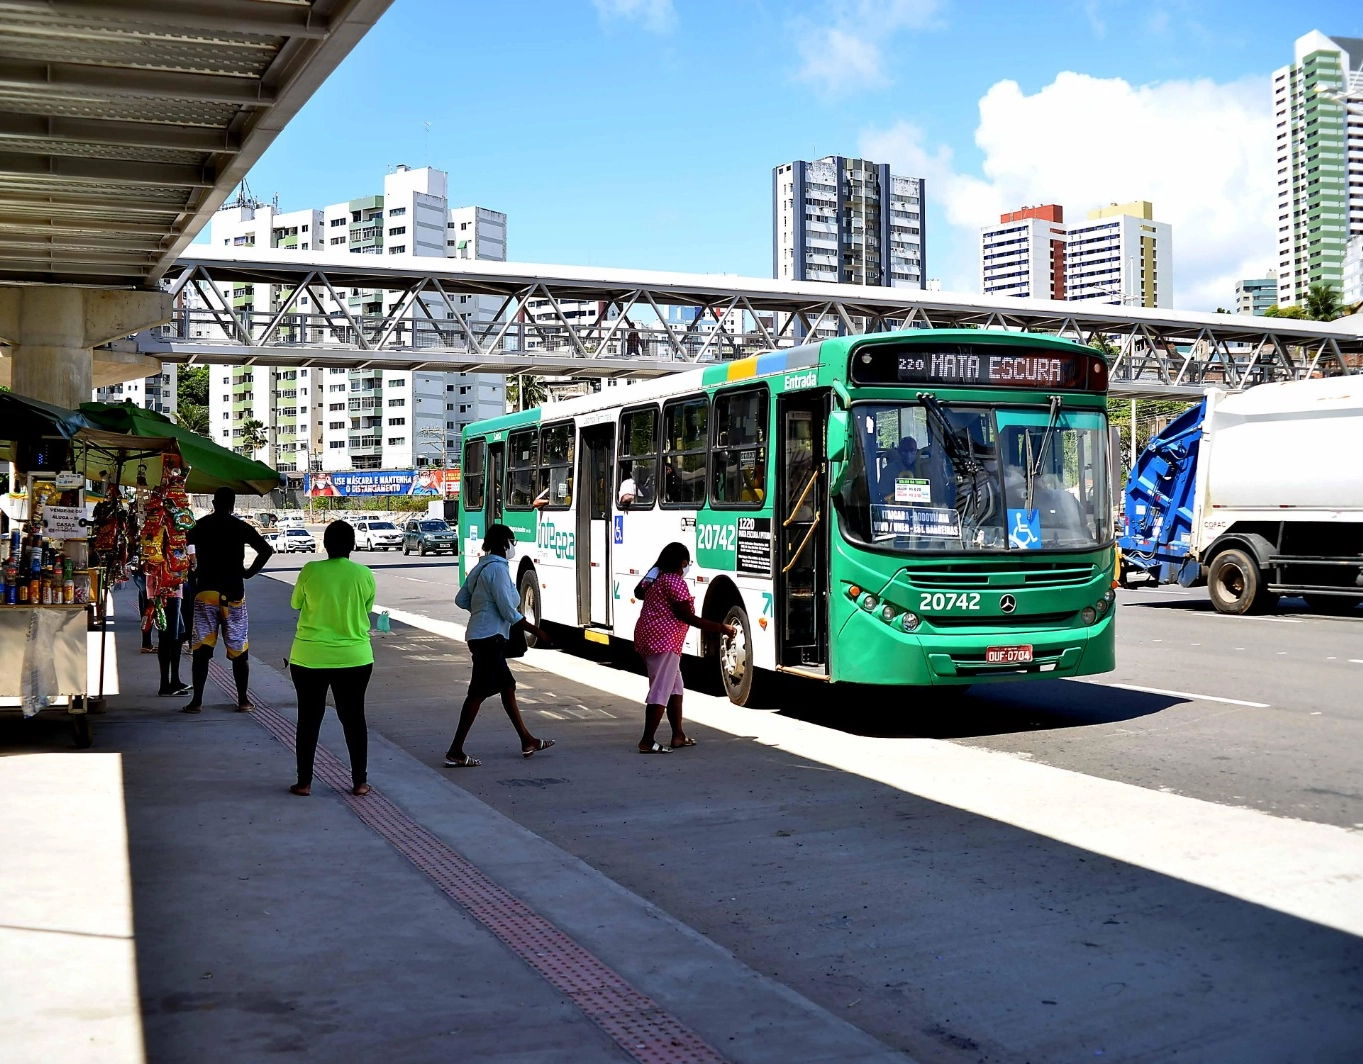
(220, 541)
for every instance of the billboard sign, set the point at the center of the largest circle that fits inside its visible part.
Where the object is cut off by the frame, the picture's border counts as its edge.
(372, 482)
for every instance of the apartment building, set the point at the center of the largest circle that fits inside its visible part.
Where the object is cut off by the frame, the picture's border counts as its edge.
(849, 221)
(1318, 116)
(158, 392)
(364, 419)
(1120, 254)
(1024, 255)
(1254, 295)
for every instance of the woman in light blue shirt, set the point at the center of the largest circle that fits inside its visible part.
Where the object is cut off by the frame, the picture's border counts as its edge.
(489, 594)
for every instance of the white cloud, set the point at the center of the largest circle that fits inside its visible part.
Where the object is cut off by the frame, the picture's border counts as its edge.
(657, 16)
(844, 55)
(1200, 151)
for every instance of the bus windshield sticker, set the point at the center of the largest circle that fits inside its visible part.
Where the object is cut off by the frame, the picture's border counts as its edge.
(888, 522)
(907, 489)
(754, 546)
(1024, 529)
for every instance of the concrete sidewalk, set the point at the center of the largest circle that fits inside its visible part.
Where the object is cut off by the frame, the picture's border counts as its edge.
(267, 924)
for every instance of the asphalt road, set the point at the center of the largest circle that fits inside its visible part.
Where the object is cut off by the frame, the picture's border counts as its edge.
(954, 936)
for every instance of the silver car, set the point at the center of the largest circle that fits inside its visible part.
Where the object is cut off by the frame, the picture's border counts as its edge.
(377, 535)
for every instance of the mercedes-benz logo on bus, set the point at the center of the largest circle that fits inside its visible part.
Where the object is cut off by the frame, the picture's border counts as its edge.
(1008, 604)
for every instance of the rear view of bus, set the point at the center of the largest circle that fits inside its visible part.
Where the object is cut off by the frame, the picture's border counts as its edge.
(973, 523)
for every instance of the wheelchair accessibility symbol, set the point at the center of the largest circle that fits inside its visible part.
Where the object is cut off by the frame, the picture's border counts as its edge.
(1024, 529)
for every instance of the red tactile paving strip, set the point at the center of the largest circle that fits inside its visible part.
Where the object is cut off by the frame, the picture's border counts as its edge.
(636, 1022)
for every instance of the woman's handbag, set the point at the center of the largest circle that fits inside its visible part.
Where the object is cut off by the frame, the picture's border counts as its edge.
(515, 642)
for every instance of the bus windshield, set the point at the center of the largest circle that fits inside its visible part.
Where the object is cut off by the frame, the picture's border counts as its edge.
(928, 476)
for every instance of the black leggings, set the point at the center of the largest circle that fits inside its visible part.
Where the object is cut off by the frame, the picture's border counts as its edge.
(347, 688)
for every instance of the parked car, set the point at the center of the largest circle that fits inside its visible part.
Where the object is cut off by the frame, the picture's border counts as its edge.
(377, 535)
(272, 537)
(428, 536)
(295, 539)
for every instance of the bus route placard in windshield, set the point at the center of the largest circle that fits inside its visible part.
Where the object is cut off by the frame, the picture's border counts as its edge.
(979, 365)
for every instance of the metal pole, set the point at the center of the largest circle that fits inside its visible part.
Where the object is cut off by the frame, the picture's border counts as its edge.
(1133, 434)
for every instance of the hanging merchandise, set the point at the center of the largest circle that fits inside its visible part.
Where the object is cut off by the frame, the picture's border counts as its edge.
(164, 548)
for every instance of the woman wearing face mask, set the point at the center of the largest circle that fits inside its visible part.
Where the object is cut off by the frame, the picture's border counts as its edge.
(489, 594)
(668, 611)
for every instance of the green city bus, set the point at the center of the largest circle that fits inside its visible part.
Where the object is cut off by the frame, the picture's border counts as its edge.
(927, 507)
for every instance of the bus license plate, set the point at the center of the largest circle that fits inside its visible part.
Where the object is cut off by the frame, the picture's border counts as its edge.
(1007, 655)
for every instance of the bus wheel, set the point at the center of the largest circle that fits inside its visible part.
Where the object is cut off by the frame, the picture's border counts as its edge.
(736, 666)
(530, 603)
(1235, 584)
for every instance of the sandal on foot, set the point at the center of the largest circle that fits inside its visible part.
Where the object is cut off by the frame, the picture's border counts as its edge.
(301, 789)
(360, 790)
(656, 748)
(540, 744)
(192, 708)
(463, 761)
(246, 708)
(688, 741)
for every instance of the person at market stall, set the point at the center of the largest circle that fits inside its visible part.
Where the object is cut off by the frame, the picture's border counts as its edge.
(331, 649)
(219, 566)
(168, 645)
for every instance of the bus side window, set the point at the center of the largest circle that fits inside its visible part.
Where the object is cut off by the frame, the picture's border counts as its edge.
(685, 439)
(739, 470)
(472, 489)
(638, 466)
(556, 465)
(523, 469)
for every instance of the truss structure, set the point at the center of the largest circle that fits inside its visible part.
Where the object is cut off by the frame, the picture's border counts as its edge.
(583, 322)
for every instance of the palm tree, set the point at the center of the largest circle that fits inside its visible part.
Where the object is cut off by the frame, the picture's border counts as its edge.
(525, 391)
(253, 436)
(1322, 303)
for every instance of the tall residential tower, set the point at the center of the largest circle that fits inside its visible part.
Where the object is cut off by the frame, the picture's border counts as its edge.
(1318, 111)
(1024, 255)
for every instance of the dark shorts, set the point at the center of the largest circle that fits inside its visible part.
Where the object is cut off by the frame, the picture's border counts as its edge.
(491, 674)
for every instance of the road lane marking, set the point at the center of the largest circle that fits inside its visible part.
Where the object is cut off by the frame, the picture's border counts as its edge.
(1305, 869)
(1179, 694)
(1357, 661)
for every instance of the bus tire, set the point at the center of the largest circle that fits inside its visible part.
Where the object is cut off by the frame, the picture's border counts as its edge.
(1235, 583)
(737, 670)
(530, 603)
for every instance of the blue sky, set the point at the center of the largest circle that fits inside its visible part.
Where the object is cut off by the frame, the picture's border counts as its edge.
(642, 133)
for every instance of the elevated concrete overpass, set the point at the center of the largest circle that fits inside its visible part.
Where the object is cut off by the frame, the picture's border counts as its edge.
(123, 127)
(646, 323)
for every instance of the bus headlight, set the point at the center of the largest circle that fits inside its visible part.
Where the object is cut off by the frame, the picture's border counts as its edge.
(887, 614)
(908, 620)
(869, 602)
(1088, 614)
(1105, 603)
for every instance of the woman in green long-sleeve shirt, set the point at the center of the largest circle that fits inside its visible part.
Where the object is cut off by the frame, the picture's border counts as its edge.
(331, 649)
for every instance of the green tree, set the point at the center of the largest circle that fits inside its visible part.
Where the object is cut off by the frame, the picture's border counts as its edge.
(191, 399)
(1276, 311)
(1322, 303)
(253, 436)
(527, 386)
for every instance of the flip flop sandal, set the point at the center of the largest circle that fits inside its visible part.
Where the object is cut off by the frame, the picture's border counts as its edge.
(688, 741)
(464, 762)
(656, 748)
(540, 744)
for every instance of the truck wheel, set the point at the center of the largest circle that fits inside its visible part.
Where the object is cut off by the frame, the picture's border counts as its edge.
(1236, 584)
(530, 603)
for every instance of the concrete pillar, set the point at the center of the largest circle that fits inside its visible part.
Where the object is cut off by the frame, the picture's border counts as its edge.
(52, 329)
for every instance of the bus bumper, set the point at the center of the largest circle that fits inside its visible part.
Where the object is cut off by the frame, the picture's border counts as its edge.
(875, 653)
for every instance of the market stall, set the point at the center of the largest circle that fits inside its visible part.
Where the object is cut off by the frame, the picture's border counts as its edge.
(65, 552)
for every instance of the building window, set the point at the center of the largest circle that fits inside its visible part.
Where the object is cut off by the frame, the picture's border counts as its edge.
(397, 212)
(397, 441)
(398, 382)
(336, 425)
(397, 402)
(685, 438)
(400, 249)
(397, 421)
(397, 230)
(336, 445)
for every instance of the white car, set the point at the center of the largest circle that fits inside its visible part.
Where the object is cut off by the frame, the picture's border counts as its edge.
(377, 535)
(296, 539)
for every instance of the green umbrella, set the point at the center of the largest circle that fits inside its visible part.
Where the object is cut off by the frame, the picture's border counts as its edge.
(24, 419)
(141, 434)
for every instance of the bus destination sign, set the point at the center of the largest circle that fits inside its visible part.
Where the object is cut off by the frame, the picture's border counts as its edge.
(979, 366)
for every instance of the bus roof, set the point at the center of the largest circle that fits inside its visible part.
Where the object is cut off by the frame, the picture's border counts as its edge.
(772, 363)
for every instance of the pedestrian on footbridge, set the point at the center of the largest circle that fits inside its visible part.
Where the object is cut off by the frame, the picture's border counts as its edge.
(496, 630)
(331, 649)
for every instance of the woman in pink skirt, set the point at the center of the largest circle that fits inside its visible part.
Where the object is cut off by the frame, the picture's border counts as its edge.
(668, 611)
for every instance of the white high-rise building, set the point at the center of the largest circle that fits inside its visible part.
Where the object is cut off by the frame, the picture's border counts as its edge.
(849, 221)
(1318, 115)
(361, 419)
(158, 392)
(1353, 272)
(1120, 254)
(1024, 255)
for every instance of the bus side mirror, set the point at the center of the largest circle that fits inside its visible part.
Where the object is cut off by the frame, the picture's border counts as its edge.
(837, 436)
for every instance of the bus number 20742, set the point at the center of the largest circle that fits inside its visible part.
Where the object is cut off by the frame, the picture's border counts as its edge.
(949, 600)
(715, 537)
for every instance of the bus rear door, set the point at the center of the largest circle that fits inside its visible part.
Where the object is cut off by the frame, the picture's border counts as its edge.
(802, 535)
(594, 510)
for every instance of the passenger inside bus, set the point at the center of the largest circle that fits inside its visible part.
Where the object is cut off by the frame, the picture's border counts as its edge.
(899, 461)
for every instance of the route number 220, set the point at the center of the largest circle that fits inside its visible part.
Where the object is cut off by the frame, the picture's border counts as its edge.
(949, 600)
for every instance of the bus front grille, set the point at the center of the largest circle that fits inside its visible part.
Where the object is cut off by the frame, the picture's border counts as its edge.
(1014, 574)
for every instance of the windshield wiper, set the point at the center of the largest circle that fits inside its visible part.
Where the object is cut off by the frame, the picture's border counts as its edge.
(1034, 468)
(978, 492)
(963, 460)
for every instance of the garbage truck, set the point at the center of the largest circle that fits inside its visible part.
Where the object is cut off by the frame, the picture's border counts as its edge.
(1256, 495)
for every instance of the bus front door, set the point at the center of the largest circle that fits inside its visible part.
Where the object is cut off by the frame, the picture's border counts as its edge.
(496, 473)
(594, 525)
(802, 535)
